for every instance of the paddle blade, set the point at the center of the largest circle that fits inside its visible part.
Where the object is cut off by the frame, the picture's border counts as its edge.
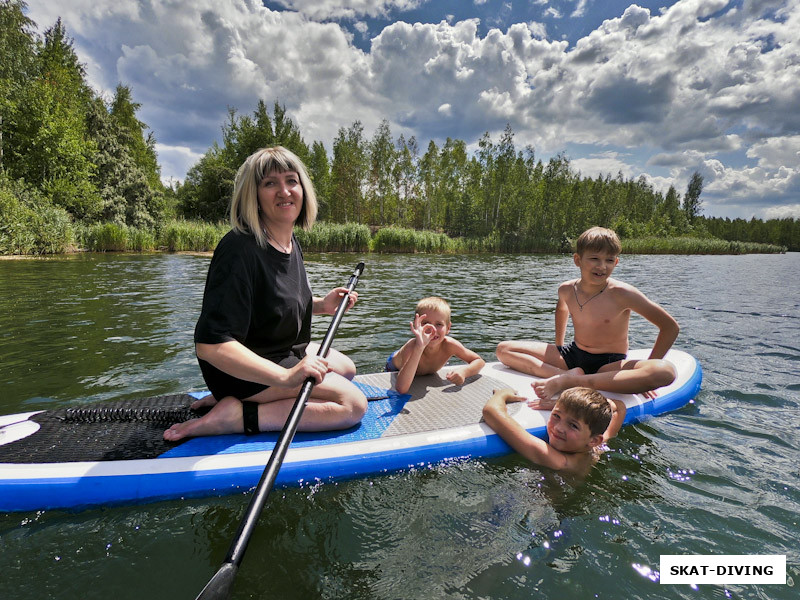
(221, 585)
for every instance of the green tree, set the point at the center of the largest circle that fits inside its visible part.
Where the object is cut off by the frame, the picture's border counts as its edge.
(131, 133)
(556, 197)
(669, 218)
(207, 190)
(691, 200)
(287, 133)
(486, 154)
(406, 179)
(319, 168)
(17, 68)
(52, 147)
(348, 175)
(501, 180)
(448, 208)
(243, 135)
(124, 186)
(429, 183)
(60, 67)
(380, 183)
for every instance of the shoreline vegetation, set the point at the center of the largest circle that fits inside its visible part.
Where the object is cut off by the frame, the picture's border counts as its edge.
(79, 172)
(199, 236)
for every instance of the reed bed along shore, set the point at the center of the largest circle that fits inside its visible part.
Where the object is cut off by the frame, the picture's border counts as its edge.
(175, 236)
(691, 245)
(197, 236)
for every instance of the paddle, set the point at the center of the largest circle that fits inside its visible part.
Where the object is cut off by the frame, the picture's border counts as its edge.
(221, 583)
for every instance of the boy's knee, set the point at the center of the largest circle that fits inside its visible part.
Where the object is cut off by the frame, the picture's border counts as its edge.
(503, 348)
(664, 373)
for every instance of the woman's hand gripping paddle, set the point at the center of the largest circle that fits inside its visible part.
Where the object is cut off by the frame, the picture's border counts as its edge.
(221, 583)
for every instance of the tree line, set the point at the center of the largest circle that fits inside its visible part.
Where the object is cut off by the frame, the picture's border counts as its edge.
(383, 182)
(69, 156)
(498, 190)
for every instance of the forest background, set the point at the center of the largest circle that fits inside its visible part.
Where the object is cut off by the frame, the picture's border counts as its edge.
(79, 171)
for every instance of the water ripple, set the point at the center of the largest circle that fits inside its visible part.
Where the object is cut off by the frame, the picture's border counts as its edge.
(718, 476)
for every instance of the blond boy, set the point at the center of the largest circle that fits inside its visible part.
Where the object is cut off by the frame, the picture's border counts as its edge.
(581, 421)
(431, 347)
(600, 308)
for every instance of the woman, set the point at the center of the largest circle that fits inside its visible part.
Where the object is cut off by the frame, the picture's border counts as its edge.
(252, 337)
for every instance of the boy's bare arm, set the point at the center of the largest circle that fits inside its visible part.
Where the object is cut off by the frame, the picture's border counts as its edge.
(668, 328)
(562, 317)
(410, 355)
(474, 362)
(617, 419)
(530, 447)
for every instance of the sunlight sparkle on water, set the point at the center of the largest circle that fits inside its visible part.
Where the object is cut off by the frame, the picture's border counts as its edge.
(608, 519)
(681, 474)
(646, 571)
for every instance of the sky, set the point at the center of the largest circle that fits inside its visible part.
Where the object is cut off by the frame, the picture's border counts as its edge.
(657, 89)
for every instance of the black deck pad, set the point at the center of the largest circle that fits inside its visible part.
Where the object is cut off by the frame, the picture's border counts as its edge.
(120, 430)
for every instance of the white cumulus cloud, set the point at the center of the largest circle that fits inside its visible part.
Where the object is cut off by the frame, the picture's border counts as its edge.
(687, 88)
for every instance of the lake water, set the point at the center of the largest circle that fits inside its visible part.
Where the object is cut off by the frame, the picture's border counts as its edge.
(719, 476)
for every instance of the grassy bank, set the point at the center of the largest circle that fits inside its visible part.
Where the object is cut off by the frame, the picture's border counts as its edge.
(46, 233)
(29, 224)
(690, 245)
(409, 241)
(331, 237)
(176, 236)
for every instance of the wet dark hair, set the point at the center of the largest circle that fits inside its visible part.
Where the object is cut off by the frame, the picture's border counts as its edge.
(588, 405)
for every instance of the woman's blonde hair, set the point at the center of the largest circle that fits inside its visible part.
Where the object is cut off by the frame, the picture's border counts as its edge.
(244, 203)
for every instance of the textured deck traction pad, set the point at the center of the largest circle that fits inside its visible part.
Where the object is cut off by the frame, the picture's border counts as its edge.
(436, 403)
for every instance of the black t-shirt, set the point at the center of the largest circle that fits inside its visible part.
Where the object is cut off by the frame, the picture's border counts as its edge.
(257, 296)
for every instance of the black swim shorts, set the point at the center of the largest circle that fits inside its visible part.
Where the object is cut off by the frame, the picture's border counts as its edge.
(222, 385)
(590, 363)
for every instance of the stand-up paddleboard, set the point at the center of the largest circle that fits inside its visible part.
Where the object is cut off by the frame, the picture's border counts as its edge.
(114, 453)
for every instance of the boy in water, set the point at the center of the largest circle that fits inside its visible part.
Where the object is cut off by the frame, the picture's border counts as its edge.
(600, 308)
(431, 347)
(581, 421)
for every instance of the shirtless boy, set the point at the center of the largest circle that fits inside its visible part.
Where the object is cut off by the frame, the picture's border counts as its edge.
(580, 423)
(600, 308)
(431, 347)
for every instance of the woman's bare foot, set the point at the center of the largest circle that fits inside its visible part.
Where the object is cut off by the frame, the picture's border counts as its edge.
(204, 402)
(224, 417)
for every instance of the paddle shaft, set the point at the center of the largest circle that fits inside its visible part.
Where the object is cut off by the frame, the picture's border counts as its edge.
(265, 484)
